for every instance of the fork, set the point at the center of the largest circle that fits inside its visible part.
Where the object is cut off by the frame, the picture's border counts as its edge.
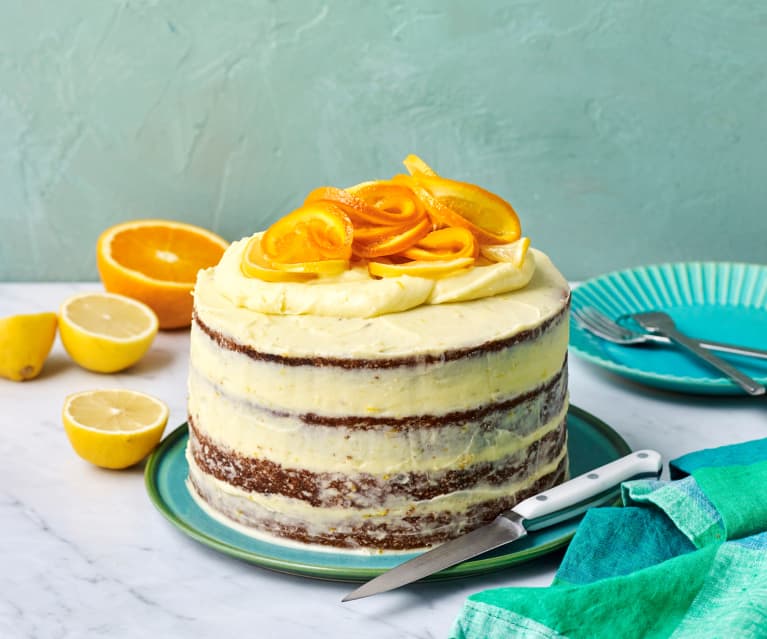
(659, 322)
(602, 326)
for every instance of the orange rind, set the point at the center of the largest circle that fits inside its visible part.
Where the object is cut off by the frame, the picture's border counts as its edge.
(419, 224)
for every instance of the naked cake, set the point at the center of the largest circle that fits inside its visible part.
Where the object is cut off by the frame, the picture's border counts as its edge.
(379, 390)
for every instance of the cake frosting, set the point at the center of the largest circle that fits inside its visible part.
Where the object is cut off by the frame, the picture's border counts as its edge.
(354, 293)
(394, 413)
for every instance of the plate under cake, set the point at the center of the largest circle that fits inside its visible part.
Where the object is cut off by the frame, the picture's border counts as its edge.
(393, 431)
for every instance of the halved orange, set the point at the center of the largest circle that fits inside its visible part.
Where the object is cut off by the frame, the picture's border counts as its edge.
(156, 262)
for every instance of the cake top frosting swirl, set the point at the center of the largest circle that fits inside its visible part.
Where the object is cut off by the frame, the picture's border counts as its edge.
(356, 293)
(380, 247)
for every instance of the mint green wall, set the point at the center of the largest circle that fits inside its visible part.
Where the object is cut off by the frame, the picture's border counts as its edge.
(623, 132)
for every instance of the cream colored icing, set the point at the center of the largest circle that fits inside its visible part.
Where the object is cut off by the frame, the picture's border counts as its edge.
(318, 520)
(355, 293)
(251, 432)
(271, 538)
(459, 384)
(421, 329)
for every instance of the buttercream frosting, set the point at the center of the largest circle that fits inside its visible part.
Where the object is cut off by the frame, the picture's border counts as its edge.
(355, 293)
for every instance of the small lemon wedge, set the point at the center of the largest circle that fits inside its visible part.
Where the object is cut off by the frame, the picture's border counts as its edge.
(113, 428)
(106, 332)
(25, 341)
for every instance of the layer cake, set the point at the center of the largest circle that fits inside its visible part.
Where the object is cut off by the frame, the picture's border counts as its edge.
(378, 414)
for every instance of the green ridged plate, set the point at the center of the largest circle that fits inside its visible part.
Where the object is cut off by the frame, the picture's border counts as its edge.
(592, 443)
(719, 301)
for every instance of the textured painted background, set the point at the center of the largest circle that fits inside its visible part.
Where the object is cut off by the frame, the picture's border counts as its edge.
(624, 132)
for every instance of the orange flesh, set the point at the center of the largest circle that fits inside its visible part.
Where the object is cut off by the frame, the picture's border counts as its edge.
(164, 253)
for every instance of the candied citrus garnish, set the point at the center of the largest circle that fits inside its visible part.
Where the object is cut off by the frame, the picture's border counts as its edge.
(414, 165)
(441, 215)
(419, 224)
(316, 231)
(256, 264)
(382, 241)
(395, 204)
(359, 211)
(381, 203)
(444, 244)
(419, 268)
(515, 252)
(491, 218)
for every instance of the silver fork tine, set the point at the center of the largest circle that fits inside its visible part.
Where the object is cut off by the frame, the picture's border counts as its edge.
(594, 321)
(596, 318)
(586, 322)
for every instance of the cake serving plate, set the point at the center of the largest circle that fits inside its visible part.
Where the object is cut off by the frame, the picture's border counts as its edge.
(591, 443)
(718, 301)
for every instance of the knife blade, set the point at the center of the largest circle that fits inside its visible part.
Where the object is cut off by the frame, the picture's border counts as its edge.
(565, 501)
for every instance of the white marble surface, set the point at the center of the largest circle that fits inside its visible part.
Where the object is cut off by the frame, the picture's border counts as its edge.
(83, 552)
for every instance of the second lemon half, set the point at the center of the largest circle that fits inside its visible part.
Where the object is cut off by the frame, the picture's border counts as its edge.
(105, 332)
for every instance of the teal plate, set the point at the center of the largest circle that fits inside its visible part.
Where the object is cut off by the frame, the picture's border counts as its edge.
(591, 443)
(721, 302)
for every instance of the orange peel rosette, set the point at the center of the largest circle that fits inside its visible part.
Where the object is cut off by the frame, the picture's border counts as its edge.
(437, 254)
(313, 240)
(387, 217)
(419, 224)
(383, 241)
(444, 244)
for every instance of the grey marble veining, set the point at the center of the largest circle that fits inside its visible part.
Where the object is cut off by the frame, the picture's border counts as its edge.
(83, 553)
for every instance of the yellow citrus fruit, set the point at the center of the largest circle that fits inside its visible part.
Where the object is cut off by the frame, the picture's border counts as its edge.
(114, 428)
(25, 341)
(104, 332)
(514, 252)
(156, 262)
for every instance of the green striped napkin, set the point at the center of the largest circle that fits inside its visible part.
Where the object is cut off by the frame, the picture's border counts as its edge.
(683, 558)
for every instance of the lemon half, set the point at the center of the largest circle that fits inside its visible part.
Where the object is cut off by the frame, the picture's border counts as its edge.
(106, 332)
(25, 341)
(114, 428)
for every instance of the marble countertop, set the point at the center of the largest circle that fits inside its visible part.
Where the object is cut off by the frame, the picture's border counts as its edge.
(84, 553)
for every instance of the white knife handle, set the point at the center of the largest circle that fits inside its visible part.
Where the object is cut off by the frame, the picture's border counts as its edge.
(641, 463)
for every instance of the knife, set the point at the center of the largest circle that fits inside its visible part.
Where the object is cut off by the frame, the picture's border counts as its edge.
(565, 501)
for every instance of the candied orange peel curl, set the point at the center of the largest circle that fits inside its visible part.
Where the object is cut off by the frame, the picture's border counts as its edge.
(313, 240)
(419, 224)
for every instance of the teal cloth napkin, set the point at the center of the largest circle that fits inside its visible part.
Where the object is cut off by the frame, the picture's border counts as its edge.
(682, 558)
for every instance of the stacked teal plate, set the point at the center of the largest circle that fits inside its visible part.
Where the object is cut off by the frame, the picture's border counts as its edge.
(716, 301)
(591, 443)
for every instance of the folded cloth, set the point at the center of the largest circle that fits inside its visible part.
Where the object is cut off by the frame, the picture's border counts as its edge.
(683, 558)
